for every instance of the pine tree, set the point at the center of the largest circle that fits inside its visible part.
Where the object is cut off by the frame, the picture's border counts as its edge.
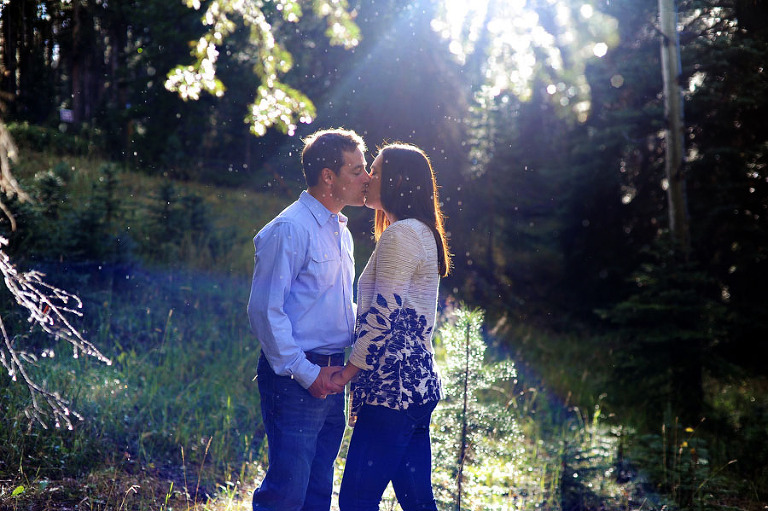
(476, 421)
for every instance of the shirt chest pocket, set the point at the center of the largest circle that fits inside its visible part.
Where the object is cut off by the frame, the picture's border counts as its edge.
(324, 267)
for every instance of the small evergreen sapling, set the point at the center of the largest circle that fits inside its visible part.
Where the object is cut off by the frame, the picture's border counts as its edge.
(477, 427)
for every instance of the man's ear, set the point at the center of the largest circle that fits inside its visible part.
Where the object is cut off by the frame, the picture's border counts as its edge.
(327, 175)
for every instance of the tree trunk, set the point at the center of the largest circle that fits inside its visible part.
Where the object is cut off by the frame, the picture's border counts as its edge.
(76, 66)
(673, 107)
(85, 65)
(11, 13)
(26, 64)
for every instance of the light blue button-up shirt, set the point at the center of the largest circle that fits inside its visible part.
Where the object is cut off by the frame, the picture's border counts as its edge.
(301, 294)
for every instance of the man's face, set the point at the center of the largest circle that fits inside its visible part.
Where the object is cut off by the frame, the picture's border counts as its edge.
(349, 186)
(373, 193)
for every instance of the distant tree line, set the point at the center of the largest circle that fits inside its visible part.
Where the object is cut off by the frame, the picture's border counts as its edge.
(98, 69)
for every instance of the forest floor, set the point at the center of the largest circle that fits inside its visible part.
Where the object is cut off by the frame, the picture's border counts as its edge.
(585, 485)
(153, 489)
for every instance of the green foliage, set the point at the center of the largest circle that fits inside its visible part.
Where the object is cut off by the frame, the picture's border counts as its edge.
(667, 334)
(94, 213)
(189, 379)
(180, 227)
(477, 426)
(612, 204)
(29, 449)
(276, 103)
(41, 222)
(735, 430)
(95, 225)
(33, 137)
(504, 441)
(104, 64)
(513, 245)
(679, 463)
(50, 191)
(727, 177)
(147, 406)
(56, 223)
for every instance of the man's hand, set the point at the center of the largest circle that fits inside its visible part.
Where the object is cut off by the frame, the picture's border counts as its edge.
(338, 378)
(322, 386)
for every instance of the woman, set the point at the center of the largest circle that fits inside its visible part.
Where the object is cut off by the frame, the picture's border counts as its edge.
(396, 385)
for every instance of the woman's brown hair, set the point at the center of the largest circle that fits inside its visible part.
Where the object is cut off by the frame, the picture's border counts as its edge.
(409, 190)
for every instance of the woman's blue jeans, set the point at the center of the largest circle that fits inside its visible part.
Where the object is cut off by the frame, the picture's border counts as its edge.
(303, 434)
(389, 445)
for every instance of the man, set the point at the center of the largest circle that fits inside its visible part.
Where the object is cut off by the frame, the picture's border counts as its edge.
(302, 311)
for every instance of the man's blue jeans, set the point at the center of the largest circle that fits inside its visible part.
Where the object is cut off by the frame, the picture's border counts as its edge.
(389, 445)
(303, 434)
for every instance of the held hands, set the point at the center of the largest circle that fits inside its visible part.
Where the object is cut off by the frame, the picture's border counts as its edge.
(338, 378)
(332, 380)
(345, 375)
(324, 384)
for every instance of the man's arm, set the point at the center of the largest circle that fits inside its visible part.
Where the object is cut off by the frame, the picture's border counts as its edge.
(279, 255)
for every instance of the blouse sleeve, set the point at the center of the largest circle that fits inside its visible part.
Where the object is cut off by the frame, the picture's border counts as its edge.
(398, 256)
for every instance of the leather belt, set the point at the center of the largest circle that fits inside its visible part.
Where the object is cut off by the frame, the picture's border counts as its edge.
(337, 359)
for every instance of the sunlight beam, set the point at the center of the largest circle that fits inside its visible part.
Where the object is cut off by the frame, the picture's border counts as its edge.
(523, 44)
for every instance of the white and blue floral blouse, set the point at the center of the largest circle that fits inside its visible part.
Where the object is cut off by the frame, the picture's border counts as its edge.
(397, 305)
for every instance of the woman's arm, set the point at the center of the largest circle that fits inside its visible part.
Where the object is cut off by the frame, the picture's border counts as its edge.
(344, 376)
(398, 255)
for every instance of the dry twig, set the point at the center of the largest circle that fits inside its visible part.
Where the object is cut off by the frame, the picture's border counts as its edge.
(47, 307)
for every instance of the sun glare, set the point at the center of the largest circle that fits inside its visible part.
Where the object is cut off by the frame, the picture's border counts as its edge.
(453, 19)
(519, 47)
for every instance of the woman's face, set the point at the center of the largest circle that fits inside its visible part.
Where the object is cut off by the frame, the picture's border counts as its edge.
(373, 195)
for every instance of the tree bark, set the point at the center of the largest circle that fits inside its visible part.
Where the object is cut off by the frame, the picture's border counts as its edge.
(673, 106)
(85, 66)
(11, 13)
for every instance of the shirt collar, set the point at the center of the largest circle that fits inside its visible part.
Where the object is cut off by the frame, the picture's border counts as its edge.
(320, 212)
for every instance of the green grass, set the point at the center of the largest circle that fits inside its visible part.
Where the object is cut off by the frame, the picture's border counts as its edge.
(234, 214)
(713, 464)
(179, 391)
(179, 398)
